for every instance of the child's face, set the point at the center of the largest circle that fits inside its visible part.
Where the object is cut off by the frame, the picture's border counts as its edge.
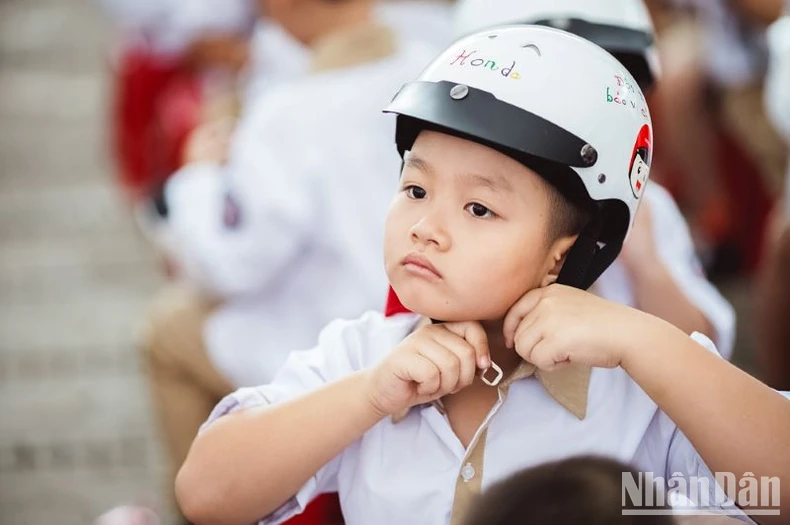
(476, 217)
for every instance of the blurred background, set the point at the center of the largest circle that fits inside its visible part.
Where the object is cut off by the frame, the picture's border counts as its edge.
(76, 434)
(92, 123)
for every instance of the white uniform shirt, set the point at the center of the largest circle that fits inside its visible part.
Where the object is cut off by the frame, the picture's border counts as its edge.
(676, 251)
(312, 172)
(777, 87)
(406, 472)
(275, 57)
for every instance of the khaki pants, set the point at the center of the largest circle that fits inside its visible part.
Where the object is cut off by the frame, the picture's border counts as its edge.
(184, 383)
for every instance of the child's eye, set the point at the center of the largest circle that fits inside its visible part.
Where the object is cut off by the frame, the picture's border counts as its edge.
(478, 210)
(415, 192)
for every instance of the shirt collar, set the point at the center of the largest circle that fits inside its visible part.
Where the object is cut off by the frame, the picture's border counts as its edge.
(568, 385)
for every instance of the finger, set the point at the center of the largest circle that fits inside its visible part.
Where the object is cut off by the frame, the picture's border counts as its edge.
(528, 338)
(518, 312)
(447, 362)
(545, 355)
(425, 373)
(475, 335)
(529, 322)
(465, 352)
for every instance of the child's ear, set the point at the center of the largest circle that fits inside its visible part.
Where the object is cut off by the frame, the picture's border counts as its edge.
(556, 258)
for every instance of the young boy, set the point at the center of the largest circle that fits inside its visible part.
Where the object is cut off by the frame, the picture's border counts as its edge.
(500, 197)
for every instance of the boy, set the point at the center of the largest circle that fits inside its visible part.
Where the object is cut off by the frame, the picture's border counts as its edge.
(500, 198)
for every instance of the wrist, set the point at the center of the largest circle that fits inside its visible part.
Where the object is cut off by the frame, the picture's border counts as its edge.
(646, 335)
(370, 396)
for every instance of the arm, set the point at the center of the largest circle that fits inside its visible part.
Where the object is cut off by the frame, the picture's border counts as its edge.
(736, 423)
(275, 200)
(227, 480)
(218, 483)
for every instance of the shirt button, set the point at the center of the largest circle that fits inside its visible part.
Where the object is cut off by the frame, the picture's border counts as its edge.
(468, 472)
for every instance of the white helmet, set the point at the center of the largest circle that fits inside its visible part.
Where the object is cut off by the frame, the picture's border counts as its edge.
(557, 103)
(622, 27)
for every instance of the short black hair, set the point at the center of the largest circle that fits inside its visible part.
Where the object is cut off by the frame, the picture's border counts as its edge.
(566, 217)
(584, 489)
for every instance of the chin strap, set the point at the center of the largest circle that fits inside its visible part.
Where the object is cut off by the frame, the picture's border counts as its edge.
(587, 259)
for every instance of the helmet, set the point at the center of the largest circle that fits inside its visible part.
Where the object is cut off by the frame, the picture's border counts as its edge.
(622, 27)
(558, 104)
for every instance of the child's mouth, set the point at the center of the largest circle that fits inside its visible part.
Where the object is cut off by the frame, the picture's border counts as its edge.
(419, 266)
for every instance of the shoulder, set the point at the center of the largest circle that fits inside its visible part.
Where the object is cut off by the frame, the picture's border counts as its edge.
(366, 340)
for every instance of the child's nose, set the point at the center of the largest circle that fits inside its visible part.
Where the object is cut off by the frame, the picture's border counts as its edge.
(431, 229)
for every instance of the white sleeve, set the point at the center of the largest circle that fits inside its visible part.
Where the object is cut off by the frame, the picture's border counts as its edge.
(777, 82)
(684, 467)
(667, 453)
(338, 354)
(676, 250)
(236, 229)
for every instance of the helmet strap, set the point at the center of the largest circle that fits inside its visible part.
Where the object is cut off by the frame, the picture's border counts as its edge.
(587, 259)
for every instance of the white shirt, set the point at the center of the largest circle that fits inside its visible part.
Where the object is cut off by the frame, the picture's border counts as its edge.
(676, 251)
(275, 57)
(777, 87)
(406, 472)
(313, 168)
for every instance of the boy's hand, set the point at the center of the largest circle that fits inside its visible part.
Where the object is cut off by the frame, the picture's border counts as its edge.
(556, 325)
(435, 360)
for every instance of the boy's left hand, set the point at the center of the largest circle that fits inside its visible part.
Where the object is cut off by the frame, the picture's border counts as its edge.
(556, 325)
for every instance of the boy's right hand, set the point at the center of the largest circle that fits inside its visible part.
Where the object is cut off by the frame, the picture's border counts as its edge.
(433, 361)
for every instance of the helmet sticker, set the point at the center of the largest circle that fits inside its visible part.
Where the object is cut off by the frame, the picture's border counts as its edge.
(506, 68)
(624, 93)
(639, 168)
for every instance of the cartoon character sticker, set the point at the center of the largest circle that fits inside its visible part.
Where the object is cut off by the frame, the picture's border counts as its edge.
(639, 169)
